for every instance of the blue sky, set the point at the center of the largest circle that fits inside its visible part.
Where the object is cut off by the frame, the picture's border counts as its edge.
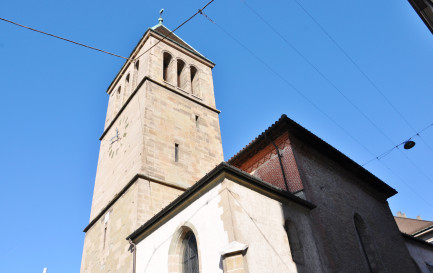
(53, 98)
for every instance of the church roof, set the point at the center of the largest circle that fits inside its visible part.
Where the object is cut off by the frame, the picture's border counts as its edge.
(164, 31)
(285, 124)
(412, 226)
(222, 167)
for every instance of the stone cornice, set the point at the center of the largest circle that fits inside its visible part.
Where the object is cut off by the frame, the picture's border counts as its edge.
(141, 43)
(124, 189)
(168, 87)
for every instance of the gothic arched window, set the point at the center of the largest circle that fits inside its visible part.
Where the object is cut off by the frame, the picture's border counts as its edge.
(295, 244)
(367, 245)
(190, 254)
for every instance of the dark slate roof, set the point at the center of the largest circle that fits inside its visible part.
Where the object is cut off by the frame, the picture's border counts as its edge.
(412, 226)
(222, 167)
(285, 124)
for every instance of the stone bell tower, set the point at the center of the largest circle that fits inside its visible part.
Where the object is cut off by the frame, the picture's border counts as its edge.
(161, 135)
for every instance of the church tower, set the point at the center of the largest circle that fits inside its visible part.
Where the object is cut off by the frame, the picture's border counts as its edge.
(161, 135)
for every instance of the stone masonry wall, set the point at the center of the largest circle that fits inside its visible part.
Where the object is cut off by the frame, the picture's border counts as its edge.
(119, 157)
(113, 255)
(137, 205)
(153, 121)
(338, 196)
(199, 147)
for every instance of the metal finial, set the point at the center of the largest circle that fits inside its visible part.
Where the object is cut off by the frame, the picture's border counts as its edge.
(160, 20)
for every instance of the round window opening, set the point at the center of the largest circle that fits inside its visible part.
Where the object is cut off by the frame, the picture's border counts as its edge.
(190, 254)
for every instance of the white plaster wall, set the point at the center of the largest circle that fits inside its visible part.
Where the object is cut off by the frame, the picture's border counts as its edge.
(204, 214)
(259, 223)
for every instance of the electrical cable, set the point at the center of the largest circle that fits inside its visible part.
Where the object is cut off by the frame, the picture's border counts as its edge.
(292, 86)
(382, 155)
(103, 51)
(67, 40)
(171, 32)
(406, 184)
(301, 94)
(359, 69)
(338, 90)
(330, 82)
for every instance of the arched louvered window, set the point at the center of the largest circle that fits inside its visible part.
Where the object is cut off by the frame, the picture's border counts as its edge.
(194, 81)
(190, 254)
(166, 73)
(181, 81)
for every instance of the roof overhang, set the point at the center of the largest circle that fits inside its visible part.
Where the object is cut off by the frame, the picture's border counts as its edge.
(153, 33)
(285, 124)
(424, 8)
(217, 175)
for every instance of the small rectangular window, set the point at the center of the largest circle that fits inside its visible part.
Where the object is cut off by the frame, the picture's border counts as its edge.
(196, 121)
(176, 152)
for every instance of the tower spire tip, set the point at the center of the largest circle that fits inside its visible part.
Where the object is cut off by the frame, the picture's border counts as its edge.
(160, 20)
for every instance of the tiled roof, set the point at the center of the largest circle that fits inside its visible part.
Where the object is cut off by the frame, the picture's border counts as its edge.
(412, 226)
(222, 167)
(164, 31)
(285, 124)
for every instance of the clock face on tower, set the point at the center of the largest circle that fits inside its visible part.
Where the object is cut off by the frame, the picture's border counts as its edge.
(117, 136)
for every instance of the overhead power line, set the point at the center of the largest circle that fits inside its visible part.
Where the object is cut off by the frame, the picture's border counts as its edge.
(293, 87)
(104, 51)
(287, 82)
(171, 32)
(317, 70)
(363, 73)
(382, 155)
(337, 89)
(64, 39)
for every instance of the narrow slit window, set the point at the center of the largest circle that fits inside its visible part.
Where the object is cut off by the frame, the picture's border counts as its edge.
(176, 152)
(119, 89)
(197, 121)
(127, 78)
(137, 65)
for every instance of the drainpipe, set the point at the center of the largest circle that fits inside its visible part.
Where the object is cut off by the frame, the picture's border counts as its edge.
(133, 247)
(279, 159)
